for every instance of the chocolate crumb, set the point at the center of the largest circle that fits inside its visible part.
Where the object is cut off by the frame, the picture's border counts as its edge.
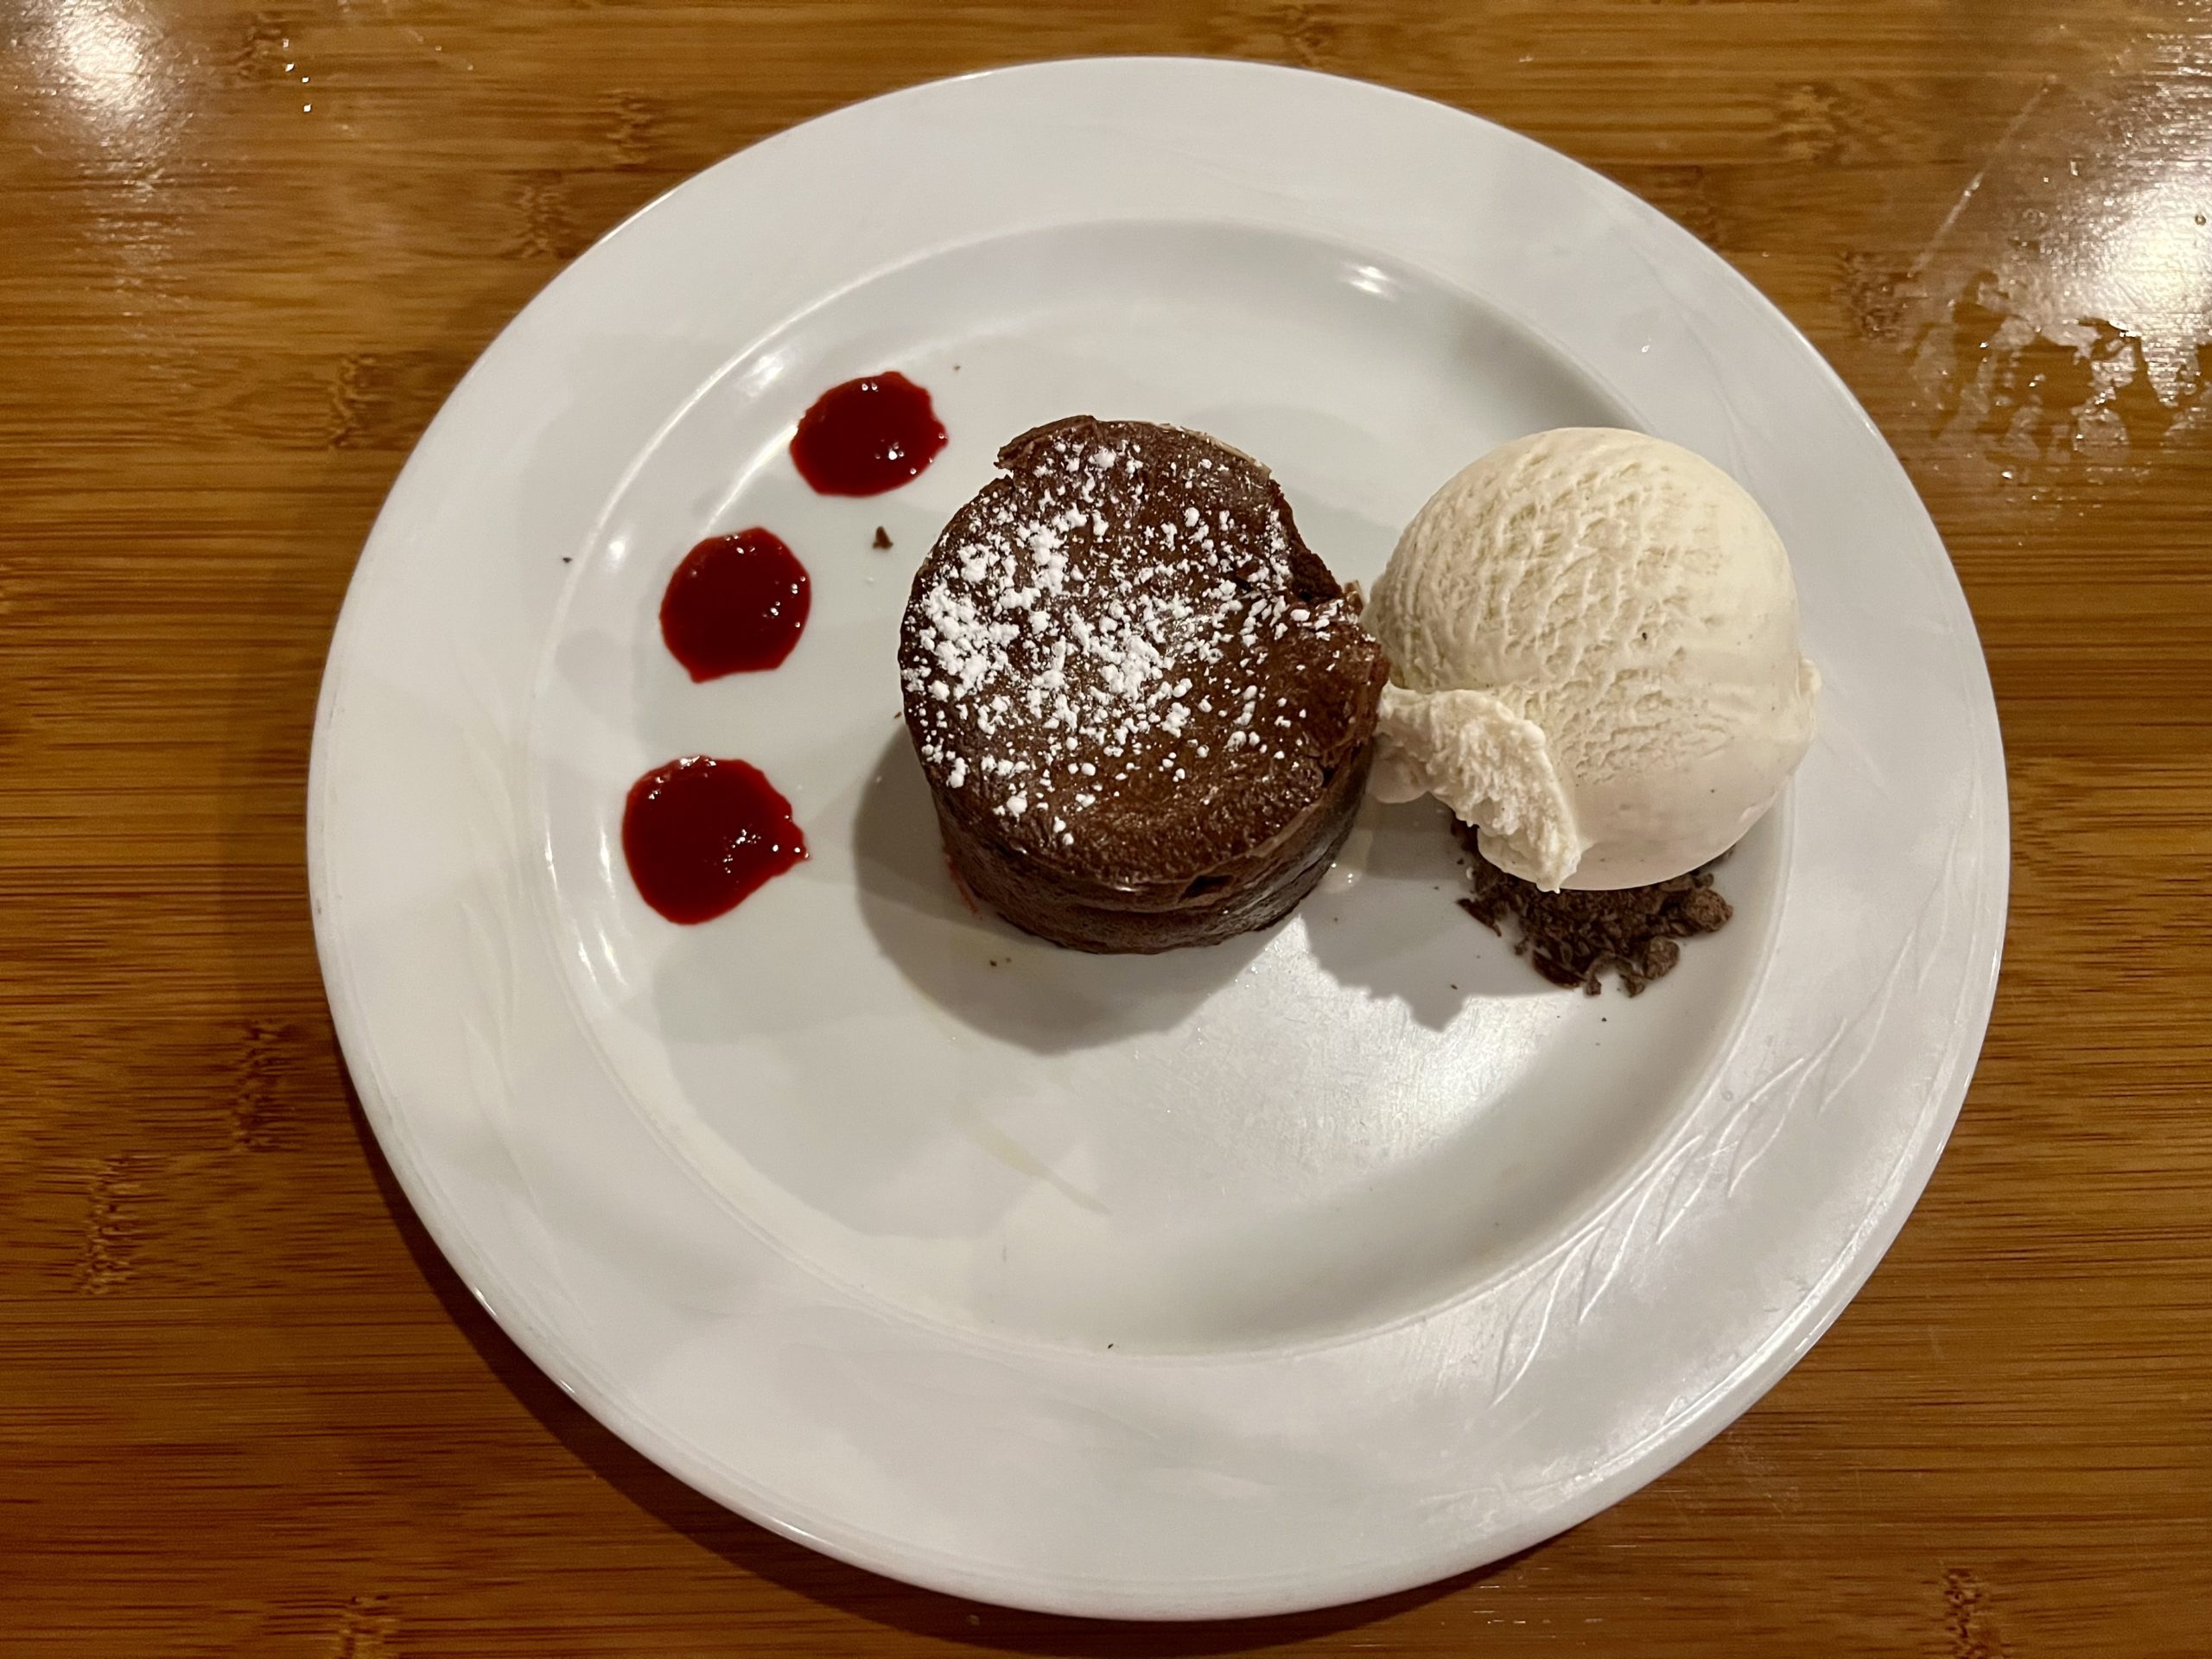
(1572, 937)
(882, 539)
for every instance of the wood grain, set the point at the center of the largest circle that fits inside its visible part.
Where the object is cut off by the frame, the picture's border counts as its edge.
(245, 1409)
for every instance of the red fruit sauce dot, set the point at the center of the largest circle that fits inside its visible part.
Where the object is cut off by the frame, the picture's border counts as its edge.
(736, 605)
(867, 437)
(701, 835)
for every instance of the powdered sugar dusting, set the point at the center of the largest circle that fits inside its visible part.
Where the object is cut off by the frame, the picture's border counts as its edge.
(1084, 624)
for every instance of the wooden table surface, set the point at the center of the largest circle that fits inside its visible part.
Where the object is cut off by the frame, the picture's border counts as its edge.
(244, 1409)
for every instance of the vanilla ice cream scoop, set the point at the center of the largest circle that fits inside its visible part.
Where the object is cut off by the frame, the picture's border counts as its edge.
(1593, 646)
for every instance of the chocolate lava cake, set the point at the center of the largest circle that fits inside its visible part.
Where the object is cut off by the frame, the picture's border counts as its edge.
(1144, 708)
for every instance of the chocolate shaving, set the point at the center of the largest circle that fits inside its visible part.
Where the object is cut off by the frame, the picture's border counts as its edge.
(882, 539)
(1572, 937)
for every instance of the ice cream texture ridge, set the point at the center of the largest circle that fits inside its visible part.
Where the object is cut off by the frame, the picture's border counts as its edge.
(1594, 655)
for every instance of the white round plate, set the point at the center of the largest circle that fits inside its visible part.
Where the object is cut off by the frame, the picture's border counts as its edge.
(1306, 1267)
